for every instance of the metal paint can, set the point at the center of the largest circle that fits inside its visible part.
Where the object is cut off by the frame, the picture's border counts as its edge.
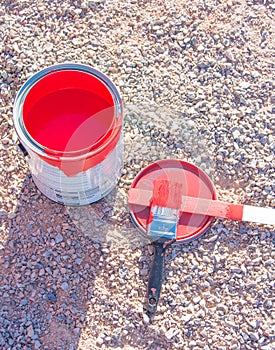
(69, 118)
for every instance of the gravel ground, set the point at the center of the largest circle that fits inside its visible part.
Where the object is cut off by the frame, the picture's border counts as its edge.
(208, 67)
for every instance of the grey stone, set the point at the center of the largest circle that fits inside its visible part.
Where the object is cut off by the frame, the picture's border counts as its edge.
(160, 49)
(51, 296)
(58, 238)
(37, 344)
(65, 286)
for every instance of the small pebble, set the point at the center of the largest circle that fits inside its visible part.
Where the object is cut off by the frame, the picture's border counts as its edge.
(146, 318)
(245, 85)
(51, 296)
(196, 300)
(58, 238)
(37, 344)
(64, 286)
(186, 318)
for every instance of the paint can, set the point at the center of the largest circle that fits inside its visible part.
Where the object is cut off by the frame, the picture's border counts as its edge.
(68, 117)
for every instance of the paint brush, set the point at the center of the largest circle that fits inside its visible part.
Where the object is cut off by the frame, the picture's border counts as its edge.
(162, 231)
(167, 205)
(209, 207)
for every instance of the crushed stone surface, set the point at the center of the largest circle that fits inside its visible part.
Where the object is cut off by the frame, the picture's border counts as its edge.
(197, 81)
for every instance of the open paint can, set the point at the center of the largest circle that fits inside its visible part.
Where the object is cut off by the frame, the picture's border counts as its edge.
(69, 119)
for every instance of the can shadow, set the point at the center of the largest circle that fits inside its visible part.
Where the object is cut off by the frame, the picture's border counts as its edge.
(47, 275)
(49, 291)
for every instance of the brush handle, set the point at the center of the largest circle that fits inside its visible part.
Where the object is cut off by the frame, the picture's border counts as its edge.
(23, 149)
(155, 278)
(210, 207)
(259, 215)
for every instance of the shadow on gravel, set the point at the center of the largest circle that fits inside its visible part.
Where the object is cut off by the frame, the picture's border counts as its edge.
(47, 276)
(61, 290)
(48, 272)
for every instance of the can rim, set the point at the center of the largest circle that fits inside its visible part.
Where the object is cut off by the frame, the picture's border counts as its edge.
(43, 151)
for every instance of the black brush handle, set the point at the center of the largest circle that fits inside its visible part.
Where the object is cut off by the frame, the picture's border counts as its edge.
(155, 278)
(23, 149)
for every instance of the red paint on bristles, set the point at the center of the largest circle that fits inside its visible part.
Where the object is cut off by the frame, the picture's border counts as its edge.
(167, 194)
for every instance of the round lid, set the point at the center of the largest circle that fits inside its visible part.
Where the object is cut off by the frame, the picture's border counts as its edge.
(190, 181)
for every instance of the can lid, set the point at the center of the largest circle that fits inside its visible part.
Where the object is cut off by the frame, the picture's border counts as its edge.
(189, 179)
